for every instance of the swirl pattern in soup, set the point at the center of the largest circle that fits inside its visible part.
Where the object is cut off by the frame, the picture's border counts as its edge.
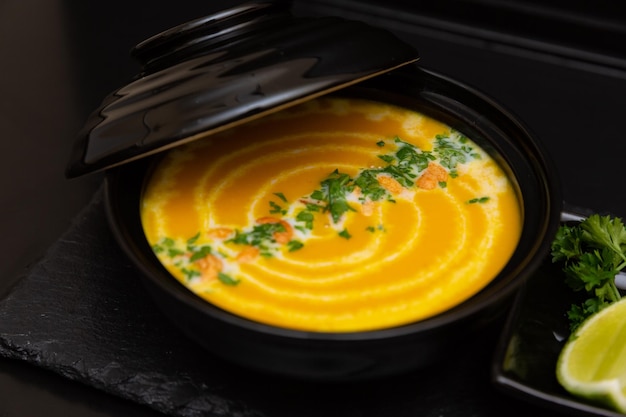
(335, 215)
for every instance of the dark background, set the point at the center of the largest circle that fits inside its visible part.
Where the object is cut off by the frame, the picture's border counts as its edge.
(559, 65)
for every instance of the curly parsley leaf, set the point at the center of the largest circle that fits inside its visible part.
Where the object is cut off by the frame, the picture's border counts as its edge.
(604, 231)
(567, 243)
(592, 253)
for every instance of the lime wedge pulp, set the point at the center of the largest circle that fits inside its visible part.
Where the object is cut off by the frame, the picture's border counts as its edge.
(592, 363)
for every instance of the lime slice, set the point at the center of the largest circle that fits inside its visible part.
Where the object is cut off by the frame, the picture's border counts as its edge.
(592, 363)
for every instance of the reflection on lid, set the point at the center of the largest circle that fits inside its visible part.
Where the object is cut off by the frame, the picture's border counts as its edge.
(206, 84)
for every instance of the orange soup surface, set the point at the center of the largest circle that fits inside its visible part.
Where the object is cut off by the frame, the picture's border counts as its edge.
(338, 215)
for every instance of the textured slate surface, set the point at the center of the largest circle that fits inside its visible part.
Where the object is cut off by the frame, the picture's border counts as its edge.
(81, 312)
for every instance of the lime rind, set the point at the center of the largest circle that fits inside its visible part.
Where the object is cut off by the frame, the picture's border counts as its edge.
(608, 392)
(591, 364)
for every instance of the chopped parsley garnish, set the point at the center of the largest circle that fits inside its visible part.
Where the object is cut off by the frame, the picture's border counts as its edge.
(403, 175)
(281, 196)
(306, 217)
(373, 229)
(294, 245)
(174, 252)
(259, 236)
(276, 209)
(453, 152)
(193, 239)
(227, 279)
(334, 193)
(411, 158)
(165, 244)
(190, 273)
(199, 253)
(478, 200)
(370, 187)
(402, 165)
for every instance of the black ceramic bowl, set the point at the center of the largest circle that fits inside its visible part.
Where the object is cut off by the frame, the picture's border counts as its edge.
(367, 354)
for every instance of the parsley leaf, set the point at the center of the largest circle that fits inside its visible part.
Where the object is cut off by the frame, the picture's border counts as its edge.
(334, 193)
(478, 200)
(306, 217)
(276, 209)
(369, 185)
(452, 152)
(259, 236)
(173, 252)
(592, 253)
(603, 231)
(227, 279)
(411, 157)
(190, 273)
(281, 196)
(199, 253)
(193, 239)
(294, 245)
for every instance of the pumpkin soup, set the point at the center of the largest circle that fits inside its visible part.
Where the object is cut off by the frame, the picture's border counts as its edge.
(337, 215)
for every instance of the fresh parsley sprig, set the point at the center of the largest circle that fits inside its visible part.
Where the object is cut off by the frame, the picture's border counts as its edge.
(592, 252)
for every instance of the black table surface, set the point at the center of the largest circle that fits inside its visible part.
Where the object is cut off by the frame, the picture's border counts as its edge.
(60, 58)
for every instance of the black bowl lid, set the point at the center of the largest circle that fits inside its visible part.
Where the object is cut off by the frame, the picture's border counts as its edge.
(225, 69)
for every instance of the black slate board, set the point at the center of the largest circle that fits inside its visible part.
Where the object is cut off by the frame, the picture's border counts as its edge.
(82, 312)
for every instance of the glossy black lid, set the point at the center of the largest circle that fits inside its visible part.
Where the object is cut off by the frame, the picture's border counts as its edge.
(225, 69)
